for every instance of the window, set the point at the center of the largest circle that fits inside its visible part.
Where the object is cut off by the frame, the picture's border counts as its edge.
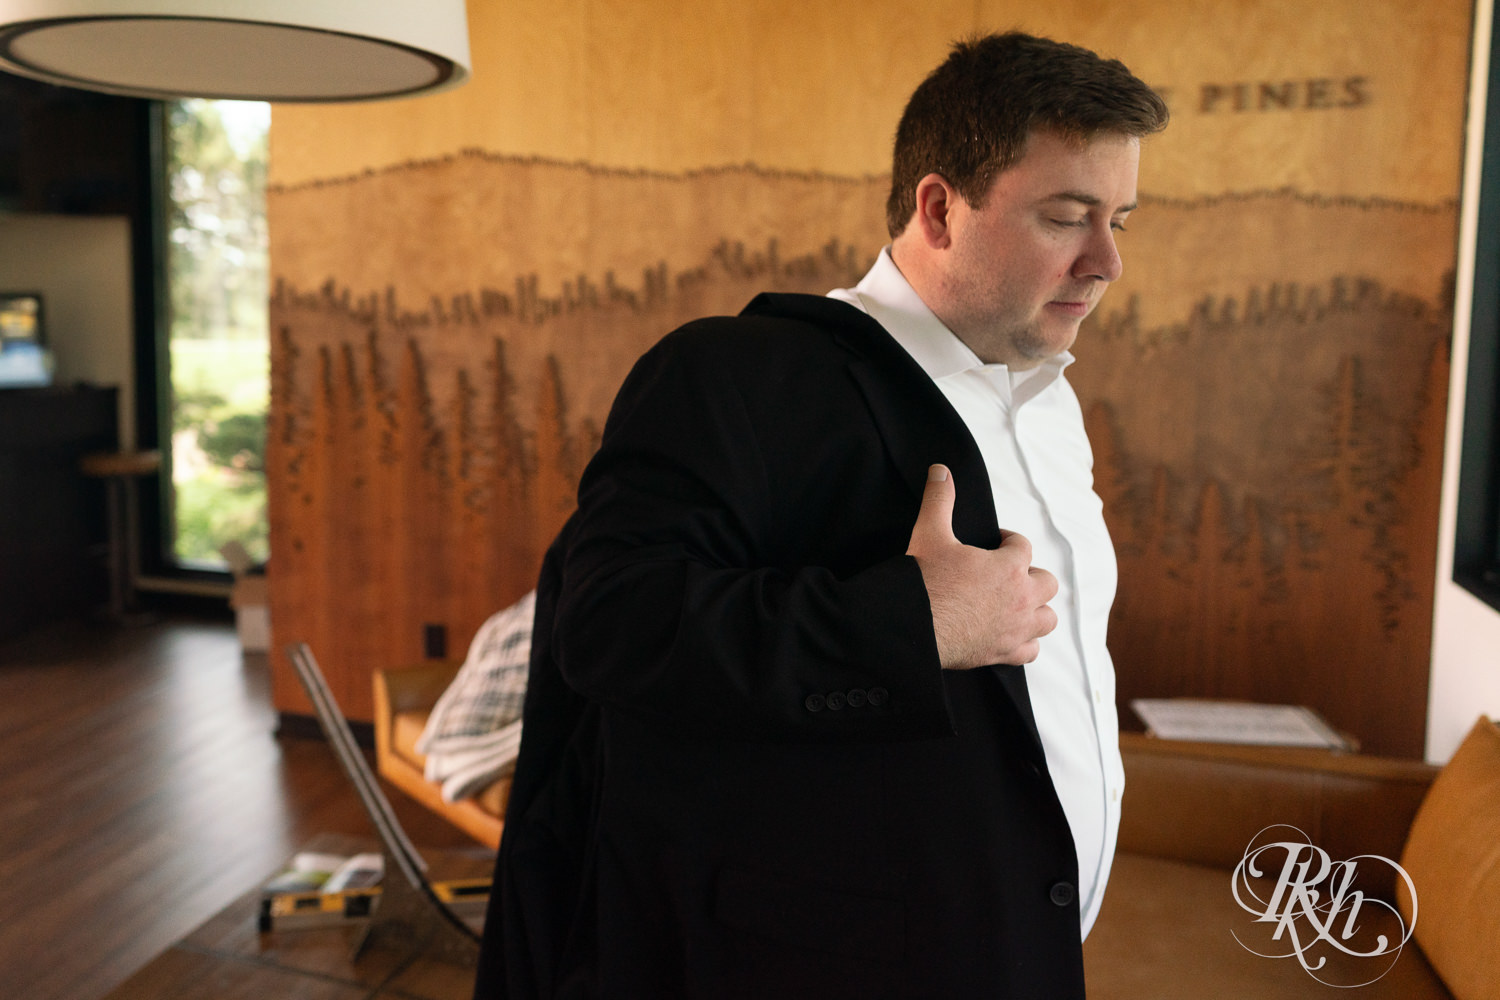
(215, 304)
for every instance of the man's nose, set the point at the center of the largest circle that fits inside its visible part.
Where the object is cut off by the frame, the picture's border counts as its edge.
(1101, 258)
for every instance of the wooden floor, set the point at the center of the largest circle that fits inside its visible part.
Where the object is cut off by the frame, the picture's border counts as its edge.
(142, 789)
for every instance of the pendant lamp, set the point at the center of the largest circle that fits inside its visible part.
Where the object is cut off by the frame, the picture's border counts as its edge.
(258, 50)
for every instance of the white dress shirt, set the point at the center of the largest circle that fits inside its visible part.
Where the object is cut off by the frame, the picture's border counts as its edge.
(1029, 429)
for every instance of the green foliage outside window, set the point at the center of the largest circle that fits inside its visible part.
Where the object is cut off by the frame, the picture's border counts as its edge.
(217, 275)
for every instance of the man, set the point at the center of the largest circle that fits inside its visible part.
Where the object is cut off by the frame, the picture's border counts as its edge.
(773, 747)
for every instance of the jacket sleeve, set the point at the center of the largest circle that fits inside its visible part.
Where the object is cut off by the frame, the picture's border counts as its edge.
(681, 604)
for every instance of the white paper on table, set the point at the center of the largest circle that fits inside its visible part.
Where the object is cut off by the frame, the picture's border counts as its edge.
(1213, 721)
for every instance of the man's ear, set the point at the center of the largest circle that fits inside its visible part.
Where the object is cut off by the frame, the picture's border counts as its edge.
(936, 199)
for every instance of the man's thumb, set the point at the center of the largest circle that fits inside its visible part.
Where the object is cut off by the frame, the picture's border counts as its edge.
(935, 517)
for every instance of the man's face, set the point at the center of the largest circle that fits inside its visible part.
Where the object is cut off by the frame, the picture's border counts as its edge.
(1022, 272)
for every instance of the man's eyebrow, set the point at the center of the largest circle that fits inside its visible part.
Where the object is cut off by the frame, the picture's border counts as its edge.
(1086, 199)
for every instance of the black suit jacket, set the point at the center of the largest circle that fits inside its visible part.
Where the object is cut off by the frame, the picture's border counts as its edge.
(744, 773)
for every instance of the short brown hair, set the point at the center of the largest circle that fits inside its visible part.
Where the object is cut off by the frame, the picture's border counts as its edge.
(970, 118)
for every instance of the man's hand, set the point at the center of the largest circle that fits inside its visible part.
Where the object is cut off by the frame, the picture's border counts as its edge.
(988, 605)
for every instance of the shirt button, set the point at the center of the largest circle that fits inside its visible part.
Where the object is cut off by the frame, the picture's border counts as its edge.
(814, 703)
(878, 696)
(835, 700)
(857, 697)
(1061, 893)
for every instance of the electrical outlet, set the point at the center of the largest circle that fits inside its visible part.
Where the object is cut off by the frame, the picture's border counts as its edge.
(434, 641)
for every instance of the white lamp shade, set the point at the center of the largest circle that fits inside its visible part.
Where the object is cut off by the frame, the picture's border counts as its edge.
(260, 50)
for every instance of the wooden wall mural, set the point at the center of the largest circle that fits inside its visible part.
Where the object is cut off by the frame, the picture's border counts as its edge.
(1270, 464)
(428, 452)
(1265, 388)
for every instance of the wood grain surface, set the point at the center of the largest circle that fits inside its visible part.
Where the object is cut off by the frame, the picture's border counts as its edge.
(143, 791)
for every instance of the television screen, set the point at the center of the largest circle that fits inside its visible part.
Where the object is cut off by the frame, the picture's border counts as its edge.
(24, 360)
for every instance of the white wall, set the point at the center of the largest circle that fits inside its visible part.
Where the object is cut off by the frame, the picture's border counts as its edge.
(81, 266)
(1466, 631)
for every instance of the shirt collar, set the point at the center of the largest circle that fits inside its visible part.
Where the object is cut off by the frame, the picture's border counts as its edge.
(887, 297)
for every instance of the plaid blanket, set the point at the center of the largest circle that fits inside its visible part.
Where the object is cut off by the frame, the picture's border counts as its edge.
(474, 731)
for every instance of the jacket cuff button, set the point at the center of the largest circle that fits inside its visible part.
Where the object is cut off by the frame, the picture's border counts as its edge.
(878, 696)
(835, 700)
(815, 703)
(857, 697)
